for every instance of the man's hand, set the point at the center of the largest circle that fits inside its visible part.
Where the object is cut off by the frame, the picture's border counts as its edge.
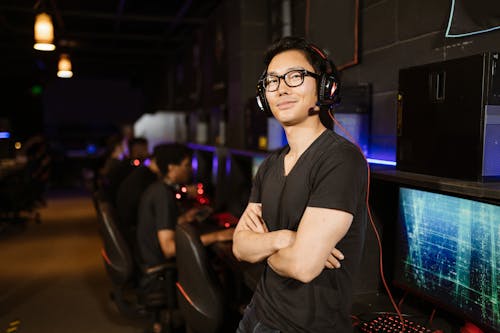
(225, 235)
(192, 191)
(252, 219)
(334, 258)
(217, 236)
(188, 216)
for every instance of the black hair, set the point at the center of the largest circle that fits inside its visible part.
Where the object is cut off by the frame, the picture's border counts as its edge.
(137, 141)
(312, 53)
(170, 153)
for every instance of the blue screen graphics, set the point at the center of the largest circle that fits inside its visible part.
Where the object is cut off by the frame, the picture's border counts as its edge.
(449, 252)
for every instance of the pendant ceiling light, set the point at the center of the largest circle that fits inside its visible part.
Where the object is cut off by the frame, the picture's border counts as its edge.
(64, 67)
(44, 33)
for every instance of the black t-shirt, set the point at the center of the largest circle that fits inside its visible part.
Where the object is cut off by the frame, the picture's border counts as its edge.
(331, 173)
(118, 170)
(128, 196)
(157, 211)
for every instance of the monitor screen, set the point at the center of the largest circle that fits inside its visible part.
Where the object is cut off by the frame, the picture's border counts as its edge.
(448, 251)
(204, 164)
(256, 162)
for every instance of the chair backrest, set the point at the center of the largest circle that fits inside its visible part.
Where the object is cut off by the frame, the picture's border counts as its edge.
(116, 252)
(199, 291)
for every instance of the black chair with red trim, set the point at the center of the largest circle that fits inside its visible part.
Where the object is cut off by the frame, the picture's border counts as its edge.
(201, 299)
(132, 296)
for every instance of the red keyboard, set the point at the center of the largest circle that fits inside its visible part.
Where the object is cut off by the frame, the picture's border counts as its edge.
(392, 324)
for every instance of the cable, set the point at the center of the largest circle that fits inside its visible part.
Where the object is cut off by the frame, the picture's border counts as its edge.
(377, 235)
(431, 318)
(400, 304)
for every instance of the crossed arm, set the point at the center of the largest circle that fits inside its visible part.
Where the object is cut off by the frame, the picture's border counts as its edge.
(301, 255)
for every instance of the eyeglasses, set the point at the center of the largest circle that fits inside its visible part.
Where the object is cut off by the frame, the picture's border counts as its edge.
(293, 78)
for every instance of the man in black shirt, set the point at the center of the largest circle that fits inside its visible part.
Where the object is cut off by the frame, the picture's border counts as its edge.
(159, 212)
(119, 170)
(130, 191)
(308, 199)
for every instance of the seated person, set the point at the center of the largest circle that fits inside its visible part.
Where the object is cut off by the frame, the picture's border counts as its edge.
(138, 148)
(159, 211)
(114, 156)
(159, 214)
(130, 190)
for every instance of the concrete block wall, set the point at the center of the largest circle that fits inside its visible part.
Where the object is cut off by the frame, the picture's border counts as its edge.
(396, 34)
(247, 39)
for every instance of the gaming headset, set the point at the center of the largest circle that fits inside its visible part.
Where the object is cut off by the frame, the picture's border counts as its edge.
(328, 85)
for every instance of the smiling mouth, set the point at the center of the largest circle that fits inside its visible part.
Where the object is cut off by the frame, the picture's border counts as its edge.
(285, 105)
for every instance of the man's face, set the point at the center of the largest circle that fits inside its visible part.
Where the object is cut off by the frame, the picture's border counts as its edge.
(290, 105)
(180, 173)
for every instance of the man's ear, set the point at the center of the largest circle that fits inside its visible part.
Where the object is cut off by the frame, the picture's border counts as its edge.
(169, 167)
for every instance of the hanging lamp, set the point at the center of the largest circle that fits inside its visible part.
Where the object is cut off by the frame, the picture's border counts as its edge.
(64, 67)
(44, 33)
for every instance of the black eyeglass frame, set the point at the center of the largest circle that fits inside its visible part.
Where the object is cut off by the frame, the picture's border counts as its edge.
(303, 72)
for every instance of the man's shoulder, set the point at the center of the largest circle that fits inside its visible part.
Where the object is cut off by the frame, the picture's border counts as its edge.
(337, 143)
(158, 188)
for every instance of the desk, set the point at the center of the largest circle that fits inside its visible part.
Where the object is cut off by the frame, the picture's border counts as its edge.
(481, 190)
(11, 166)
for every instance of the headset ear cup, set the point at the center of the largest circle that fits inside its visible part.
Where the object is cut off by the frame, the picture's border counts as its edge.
(333, 89)
(328, 90)
(261, 96)
(321, 89)
(262, 103)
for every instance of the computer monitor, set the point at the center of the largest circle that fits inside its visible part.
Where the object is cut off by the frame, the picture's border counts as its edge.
(448, 252)
(237, 182)
(205, 166)
(256, 162)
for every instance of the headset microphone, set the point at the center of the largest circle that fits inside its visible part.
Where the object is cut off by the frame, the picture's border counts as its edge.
(314, 110)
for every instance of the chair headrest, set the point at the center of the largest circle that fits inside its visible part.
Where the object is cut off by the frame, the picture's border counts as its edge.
(195, 274)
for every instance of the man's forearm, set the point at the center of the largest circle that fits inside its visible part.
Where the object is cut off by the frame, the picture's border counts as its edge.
(254, 247)
(288, 263)
(283, 263)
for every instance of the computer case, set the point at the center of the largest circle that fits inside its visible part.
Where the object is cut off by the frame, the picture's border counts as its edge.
(448, 118)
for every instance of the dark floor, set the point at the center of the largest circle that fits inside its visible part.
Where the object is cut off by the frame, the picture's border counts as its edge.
(53, 280)
(52, 277)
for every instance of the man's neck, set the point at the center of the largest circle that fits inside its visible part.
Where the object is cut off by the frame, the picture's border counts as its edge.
(168, 181)
(301, 136)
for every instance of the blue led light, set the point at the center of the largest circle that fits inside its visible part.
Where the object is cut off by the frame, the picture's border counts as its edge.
(4, 135)
(383, 162)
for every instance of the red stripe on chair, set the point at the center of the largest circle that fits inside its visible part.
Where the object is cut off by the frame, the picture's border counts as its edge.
(186, 296)
(105, 256)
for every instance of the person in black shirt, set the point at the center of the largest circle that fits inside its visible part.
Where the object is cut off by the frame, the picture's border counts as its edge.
(129, 193)
(120, 169)
(159, 212)
(307, 199)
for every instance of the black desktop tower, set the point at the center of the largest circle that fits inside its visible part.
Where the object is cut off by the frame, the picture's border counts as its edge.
(448, 118)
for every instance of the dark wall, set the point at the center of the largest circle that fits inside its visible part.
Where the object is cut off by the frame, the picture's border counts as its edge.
(395, 34)
(21, 108)
(82, 111)
(392, 34)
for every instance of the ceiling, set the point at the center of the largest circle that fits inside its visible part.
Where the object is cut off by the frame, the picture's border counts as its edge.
(101, 35)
